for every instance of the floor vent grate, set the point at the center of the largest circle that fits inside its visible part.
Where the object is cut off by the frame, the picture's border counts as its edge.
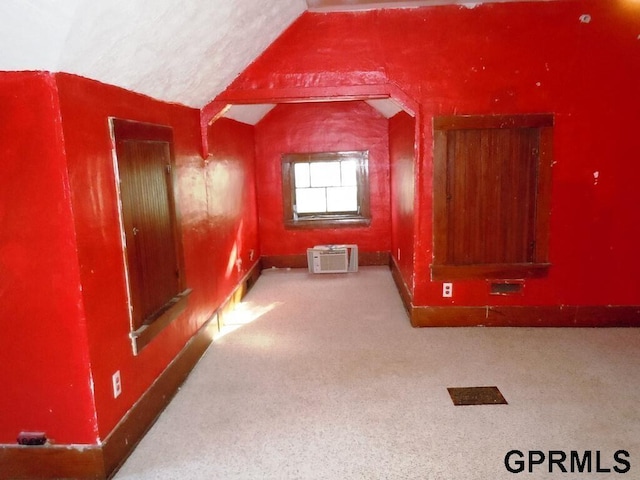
(476, 396)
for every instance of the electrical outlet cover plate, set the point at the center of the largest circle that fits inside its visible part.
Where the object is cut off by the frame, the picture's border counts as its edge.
(117, 384)
(32, 438)
(447, 290)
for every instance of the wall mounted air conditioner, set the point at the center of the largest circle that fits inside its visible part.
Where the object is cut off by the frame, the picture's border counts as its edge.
(332, 258)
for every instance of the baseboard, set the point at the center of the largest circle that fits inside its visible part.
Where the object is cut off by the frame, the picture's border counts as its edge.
(100, 462)
(403, 289)
(121, 442)
(514, 316)
(283, 261)
(526, 316)
(229, 304)
(365, 259)
(60, 462)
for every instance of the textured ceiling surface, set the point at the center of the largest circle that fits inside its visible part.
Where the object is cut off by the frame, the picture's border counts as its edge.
(181, 51)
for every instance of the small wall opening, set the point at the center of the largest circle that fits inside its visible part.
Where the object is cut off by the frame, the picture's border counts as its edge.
(511, 287)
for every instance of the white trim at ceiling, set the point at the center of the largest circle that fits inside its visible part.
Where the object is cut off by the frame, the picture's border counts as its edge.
(251, 114)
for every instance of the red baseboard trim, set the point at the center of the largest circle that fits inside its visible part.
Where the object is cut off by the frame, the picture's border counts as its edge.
(527, 316)
(515, 316)
(365, 259)
(60, 462)
(403, 289)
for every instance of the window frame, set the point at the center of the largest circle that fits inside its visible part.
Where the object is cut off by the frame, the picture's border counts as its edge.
(538, 264)
(143, 330)
(331, 219)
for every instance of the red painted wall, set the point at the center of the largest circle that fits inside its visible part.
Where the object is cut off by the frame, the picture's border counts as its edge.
(402, 154)
(232, 238)
(217, 211)
(65, 320)
(502, 58)
(44, 354)
(321, 127)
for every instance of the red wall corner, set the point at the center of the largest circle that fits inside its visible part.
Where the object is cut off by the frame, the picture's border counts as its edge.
(45, 374)
(508, 58)
(402, 154)
(216, 207)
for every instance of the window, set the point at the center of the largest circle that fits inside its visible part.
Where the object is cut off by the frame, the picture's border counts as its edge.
(491, 196)
(153, 252)
(325, 189)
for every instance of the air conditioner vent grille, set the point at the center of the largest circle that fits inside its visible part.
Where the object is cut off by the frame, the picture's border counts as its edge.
(333, 258)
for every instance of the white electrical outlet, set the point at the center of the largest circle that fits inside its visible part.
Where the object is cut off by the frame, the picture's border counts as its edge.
(117, 384)
(447, 290)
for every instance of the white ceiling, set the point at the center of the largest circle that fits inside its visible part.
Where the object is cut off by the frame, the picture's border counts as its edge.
(181, 51)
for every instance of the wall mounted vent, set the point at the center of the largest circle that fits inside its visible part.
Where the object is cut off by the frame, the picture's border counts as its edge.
(507, 287)
(332, 258)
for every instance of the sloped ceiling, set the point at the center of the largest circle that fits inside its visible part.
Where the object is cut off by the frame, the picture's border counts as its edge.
(182, 51)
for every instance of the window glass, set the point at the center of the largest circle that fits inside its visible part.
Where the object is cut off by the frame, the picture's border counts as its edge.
(342, 199)
(310, 200)
(325, 174)
(302, 178)
(349, 169)
(325, 189)
(334, 187)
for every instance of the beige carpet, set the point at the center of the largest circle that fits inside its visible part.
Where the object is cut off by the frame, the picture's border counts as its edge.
(331, 382)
